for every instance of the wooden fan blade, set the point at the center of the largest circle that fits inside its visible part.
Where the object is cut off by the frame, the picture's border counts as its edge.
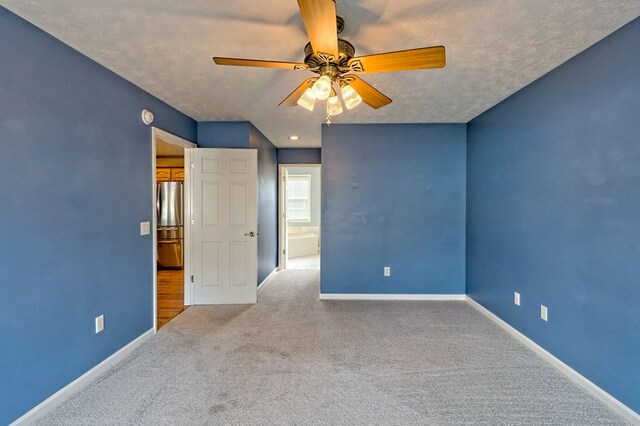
(369, 94)
(320, 20)
(412, 59)
(292, 99)
(238, 62)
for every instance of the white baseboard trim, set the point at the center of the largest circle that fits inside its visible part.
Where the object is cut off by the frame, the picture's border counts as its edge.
(341, 296)
(262, 284)
(625, 412)
(80, 383)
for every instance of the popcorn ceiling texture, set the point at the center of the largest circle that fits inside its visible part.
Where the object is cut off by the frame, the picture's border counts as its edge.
(494, 48)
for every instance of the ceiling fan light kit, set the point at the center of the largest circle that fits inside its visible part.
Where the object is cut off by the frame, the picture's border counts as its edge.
(334, 107)
(333, 59)
(322, 88)
(350, 97)
(308, 99)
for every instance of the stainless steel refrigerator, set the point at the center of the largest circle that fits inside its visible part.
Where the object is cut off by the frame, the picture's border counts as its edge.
(170, 225)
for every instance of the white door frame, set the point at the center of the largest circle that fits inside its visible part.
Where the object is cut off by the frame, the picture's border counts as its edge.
(281, 224)
(174, 140)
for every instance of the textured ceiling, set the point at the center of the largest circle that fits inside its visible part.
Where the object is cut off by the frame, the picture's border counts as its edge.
(494, 48)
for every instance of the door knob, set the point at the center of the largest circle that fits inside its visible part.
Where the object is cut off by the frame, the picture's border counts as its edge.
(252, 234)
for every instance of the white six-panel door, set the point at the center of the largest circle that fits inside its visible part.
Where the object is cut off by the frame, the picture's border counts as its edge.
(225, 226)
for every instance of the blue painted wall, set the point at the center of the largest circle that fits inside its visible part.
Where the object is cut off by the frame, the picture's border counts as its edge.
(76, 182)
(243, 134)
(554, 212)
(223, 134)
(393, 195)
(267, 202)
(299, 156)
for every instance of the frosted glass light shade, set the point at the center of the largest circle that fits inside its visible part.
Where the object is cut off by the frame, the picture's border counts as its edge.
(333, 106)
(351, 98)
(307, 100)
(322, 88)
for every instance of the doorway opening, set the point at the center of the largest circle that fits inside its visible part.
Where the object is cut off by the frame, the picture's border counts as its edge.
(171, 205)
(300, 216)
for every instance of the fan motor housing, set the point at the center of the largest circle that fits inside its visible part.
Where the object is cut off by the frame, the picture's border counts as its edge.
(346, 51)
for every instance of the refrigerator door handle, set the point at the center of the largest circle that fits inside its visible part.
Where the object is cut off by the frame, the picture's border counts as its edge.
(158, 202)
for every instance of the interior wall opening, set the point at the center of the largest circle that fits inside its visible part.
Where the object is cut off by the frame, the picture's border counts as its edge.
(171, 208)
(300, 222)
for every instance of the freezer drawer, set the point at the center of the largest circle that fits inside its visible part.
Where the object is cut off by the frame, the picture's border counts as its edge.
(170, 254)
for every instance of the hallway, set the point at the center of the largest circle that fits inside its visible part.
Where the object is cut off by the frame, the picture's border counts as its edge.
(304, 262)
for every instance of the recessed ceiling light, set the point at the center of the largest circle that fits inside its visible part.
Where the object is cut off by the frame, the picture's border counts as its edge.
(294, 138)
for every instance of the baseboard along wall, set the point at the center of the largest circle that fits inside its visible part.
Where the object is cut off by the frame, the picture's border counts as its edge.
(81, 382)
(625, 412)
(425, 297)
(266, 280)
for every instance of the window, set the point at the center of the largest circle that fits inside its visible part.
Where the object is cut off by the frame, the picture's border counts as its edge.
(299, 198)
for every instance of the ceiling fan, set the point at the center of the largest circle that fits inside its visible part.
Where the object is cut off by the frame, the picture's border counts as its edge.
(334, 60)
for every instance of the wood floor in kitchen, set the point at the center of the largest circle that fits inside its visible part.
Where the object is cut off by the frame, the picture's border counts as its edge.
(170, 295)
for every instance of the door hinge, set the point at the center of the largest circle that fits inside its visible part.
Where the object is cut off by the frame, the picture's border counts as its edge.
(284, 252)
(193, 222)
(192, 166)
(191, 278)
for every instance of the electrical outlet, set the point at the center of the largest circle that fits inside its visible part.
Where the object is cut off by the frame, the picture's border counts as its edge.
(543, 313)
(387, 271)
(99, 324)
(516, 298)
(145, 228)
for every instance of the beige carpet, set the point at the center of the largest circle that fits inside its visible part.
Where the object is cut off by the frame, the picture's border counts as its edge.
(292, 359)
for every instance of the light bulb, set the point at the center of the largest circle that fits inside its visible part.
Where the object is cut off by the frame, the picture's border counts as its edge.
(307, 100)
(333, 106)
(322, 88)
(351, 98)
